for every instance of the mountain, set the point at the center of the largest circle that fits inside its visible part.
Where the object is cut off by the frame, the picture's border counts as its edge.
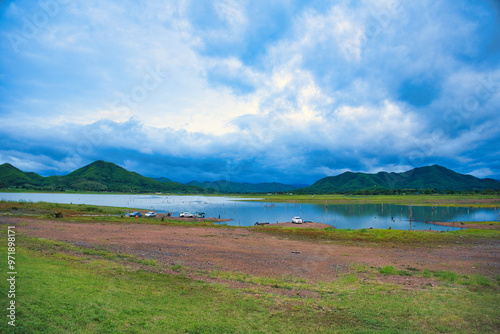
(432, 177)
(235, 187)
(162, 179)
(97, 176)
(106, 176)
(12, 176)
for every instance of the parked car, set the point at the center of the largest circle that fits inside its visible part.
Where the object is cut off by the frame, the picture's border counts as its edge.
(135, 214)
(199, 214)
(297, 220)
(186, 215)
(150, 214)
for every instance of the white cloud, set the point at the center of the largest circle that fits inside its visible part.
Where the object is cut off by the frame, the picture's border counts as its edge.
(39, 162)
(482, 173)
(329, 171)
(232, 12)
(384, 127)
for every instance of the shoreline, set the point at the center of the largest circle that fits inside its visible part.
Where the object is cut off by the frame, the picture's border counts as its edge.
(211, 219)
(469, 225)
(303, 225)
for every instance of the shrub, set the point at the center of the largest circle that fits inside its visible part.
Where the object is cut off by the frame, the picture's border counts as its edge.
(446, 275)
(388, 270)
(478, 280)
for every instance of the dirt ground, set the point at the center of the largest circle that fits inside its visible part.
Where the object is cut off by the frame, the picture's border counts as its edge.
(251, 252)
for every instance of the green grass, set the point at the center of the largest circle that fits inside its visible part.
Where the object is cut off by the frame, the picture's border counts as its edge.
(482, 223)
(59, 248)
(40, 208)
(389, 270)
(63, 288)
(379, 236)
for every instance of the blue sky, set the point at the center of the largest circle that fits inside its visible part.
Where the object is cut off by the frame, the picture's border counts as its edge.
(250, 91)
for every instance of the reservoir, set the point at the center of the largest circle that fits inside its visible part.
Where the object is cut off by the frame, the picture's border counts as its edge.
(248, 212)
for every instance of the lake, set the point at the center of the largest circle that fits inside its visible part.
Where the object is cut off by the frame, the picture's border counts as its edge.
(246, 213)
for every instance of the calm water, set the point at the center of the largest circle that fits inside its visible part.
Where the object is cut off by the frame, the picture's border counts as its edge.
(246, 213)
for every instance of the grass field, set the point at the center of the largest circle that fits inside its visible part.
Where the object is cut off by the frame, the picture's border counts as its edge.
(484, 223)
(66, 289)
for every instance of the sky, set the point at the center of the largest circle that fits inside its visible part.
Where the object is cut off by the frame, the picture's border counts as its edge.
(250, 91)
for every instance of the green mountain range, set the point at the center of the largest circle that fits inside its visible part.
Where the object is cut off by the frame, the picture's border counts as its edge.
(432, 177)
(97, 176)
(235, 187)
(106, 176)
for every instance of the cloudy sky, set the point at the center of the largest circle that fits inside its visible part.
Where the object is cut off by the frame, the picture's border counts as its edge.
(286, 91)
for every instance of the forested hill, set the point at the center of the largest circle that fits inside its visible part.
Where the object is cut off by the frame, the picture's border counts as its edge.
(432, 177)
(97, 176)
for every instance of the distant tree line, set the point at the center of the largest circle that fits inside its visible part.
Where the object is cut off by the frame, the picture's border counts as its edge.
(380, 191)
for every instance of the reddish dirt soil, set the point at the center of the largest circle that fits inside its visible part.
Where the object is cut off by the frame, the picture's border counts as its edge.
(255, 253)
